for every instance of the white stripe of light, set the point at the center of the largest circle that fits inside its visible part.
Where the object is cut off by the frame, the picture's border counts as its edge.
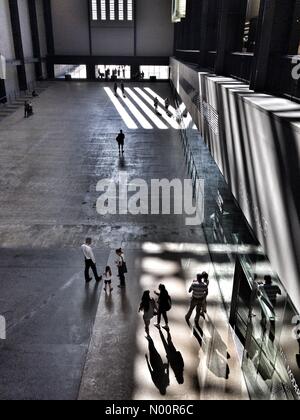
(147, 111)
(121, 110)
(164, 115)
(137, 114)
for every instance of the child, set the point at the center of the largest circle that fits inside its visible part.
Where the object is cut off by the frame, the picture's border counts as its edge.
(107, 279)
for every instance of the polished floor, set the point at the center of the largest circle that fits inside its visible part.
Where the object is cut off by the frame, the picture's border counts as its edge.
(66, 340)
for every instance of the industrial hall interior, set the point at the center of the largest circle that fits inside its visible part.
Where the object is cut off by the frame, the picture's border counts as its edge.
(150, 200)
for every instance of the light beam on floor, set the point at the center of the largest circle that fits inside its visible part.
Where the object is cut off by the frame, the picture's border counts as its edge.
(137, 114)
(173, 123)
(121, 110)
(154, 118)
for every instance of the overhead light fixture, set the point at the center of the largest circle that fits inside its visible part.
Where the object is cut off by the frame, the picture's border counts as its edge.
(178, 10)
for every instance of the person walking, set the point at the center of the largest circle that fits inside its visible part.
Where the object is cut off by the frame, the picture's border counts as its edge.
(90, 261)
(121, 141)
(164, 306)
(122, 267)
(26, 109)
(167, 105)
(123, 90)
(156, 103)
(200, 292)
(148, 306)
(116, 88)
(108, 279)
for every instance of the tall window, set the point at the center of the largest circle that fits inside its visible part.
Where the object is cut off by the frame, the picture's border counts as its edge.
(112, 11)
(94, 9)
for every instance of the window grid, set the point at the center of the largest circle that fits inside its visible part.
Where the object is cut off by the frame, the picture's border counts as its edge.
(121, 9)
(103, 10)
(112, 10)
(129, 9)
(95, 9)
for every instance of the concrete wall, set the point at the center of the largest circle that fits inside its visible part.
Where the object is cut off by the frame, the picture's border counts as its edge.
(70, 27)
(7, 45)
(255, 140)
(155, 31)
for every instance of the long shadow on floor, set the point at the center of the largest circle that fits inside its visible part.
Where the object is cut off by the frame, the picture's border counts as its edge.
(218, 356)
(158, 369)
(174, 357)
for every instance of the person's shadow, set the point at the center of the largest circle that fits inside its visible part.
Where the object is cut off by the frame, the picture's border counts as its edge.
(125, 304)
(174, 357)
(90, 303)
(109, 304)
(158, 369)
(122, 162)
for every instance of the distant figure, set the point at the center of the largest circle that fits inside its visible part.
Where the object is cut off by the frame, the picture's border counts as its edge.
(122, 267)
(29, 109)
(121, 141)
(164, 306)
(148, 306)
(156, 103)
(26, 109)
(143, 75)
(269, 296)
(35, 94)
(108, 279)
(123, 90)
(167, 105)
(90, 261)
(124, 73)
(116, 88)
(119, 72)
(200, 292)
(205, 280)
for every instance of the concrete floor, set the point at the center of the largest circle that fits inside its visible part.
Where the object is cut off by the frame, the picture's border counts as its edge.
(69, 341)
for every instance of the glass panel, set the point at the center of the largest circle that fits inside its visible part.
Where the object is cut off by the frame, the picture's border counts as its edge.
(62, 71)
(160, 72)
(113, 71)
(95, 9)
(103, 10)
(251, 23)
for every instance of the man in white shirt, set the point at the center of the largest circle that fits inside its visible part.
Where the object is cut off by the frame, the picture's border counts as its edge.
(90, 261)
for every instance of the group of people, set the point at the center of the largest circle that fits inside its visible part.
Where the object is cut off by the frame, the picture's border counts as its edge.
(160, 308)
(167, 105)
(90, 264)
(116, 73)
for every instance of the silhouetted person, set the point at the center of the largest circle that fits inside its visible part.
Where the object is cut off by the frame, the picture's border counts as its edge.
(174, 357)
(26, 109)
(156, 103)
(269, 296)
(159, 371)
(90, 261)
(148, 307)
(121, 141)
(164, 306)
(35, 94)
(167, 105)
(122, 267)
(200, 292)
(298, 335)
(116, 88)
(123, 89)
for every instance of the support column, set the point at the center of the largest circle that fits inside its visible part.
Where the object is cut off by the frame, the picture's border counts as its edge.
(49, 36)
(35, 38)
(17, 37)
(208, 29)
(274, 31)
(231, 30)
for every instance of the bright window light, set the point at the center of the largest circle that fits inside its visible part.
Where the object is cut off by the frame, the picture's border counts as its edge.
(173, 123)
(121, 9)
(121, 110)
(129, 9)
(103, 10)
(112, 10)
(154, 118)
(138, 115)
(95, 9)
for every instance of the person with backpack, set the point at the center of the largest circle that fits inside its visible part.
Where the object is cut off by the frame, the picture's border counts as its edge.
(164, 306)
(122, 267)
(148, 306)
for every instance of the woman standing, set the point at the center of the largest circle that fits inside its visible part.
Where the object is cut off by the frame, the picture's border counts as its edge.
(122, 267)
(148, 306)
(164, 306)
